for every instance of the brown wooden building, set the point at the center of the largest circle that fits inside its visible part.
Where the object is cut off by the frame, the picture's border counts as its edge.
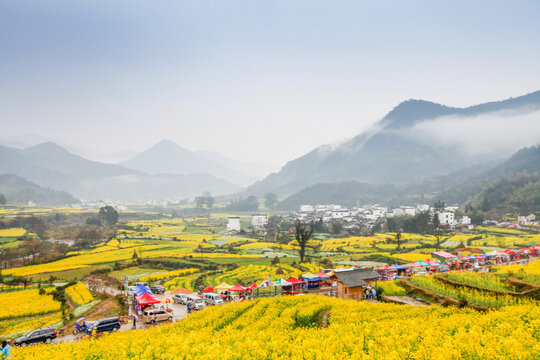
(351, 283)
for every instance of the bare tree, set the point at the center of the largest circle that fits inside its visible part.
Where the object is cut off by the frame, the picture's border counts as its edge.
(303, 235)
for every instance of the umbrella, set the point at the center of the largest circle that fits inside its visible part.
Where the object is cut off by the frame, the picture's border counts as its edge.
(208, 289)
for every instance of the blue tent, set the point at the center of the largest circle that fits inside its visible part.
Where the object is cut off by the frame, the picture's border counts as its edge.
(141, 289)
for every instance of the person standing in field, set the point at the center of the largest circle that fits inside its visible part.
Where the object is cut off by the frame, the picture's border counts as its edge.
(6, 350)
(135, 321)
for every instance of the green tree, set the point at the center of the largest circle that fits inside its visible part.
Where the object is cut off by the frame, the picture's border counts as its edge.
(2, 199)
(437, 231)
(337, 226)
(270, 200)
(398, 238)
(303, 234)
(439, 205)
(108, 215)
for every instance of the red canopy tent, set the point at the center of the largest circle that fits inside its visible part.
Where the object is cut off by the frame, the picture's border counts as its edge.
(208, 289)
(237, 287)
(147, 299)
(295, 281)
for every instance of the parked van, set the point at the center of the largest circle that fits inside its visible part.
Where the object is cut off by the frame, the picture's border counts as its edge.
(153, 316)
(108, 324)
(197, 301)
(213, 299)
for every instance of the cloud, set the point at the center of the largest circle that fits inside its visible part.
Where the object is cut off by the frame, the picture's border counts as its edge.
(494, 134)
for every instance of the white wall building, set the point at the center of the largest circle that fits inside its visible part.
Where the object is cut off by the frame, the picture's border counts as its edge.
(259, 222)
(527, 220)
(306, 208)
(446, 217)
(233, 224)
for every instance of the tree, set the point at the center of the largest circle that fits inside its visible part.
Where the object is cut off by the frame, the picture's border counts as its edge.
(439, 205)
(200, 201)
(270, 200)
(337, 226)
(210, 202)
(108, 214)
(2, 199)
(303, 234)
(437, 230)
(398, 238)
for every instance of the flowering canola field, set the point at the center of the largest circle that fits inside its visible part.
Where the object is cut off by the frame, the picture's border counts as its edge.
(26, 303)
(322, 328)
(79, 293)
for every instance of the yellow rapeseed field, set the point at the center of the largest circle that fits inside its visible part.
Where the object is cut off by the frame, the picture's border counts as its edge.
(319, 328)
(25, 303)
(12, 232)
(79, 293)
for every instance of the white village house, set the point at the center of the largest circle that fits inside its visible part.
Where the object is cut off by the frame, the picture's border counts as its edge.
(233, 224)
(259, 222)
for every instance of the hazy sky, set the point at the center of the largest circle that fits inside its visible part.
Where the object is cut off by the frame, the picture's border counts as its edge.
(255, 80)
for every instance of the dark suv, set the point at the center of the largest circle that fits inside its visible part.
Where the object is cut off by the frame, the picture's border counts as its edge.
(44, 335)
(109, 324)
(157, 289)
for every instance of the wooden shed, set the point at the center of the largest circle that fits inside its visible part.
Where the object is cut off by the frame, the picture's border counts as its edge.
(351, 283)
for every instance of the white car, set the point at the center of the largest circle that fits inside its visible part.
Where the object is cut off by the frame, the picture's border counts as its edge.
(213, 299)
(180, 298)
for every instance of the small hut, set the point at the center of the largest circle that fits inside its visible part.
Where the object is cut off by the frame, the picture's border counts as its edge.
(351, 283)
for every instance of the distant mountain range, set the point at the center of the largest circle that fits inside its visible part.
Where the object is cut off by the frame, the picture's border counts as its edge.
(418, 148)
(417, 140)
(511, 184)
(52, 166)
(20, 191)
(168, 157)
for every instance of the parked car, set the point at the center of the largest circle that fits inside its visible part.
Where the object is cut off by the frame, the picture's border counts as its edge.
(153, 316)
(180, 298)
(144, 283)
(213, 299)
(108, 324)
(197, 302)
(43, 335)
(157, 289)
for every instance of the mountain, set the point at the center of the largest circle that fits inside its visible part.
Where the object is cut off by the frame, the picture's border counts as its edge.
(20, 191)
(168, 157)
(524, 162)
(350, 194)
(255, 171)
(509, 197)
(415, 141)
(52, 166)
(494, 181)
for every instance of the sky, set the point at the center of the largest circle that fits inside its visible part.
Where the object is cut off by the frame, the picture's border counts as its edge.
(258, 81)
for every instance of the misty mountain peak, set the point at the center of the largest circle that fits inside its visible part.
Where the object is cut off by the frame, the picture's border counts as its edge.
(49, 148)
(411, 111)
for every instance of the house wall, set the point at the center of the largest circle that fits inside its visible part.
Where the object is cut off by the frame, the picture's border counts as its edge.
(344, 292)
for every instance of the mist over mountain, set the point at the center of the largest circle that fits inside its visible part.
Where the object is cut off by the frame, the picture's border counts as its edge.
(168, 157)
(415, 141)
(52, 166)
(518, 175)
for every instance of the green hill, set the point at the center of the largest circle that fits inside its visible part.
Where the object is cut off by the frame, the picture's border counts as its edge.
(18, 190)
